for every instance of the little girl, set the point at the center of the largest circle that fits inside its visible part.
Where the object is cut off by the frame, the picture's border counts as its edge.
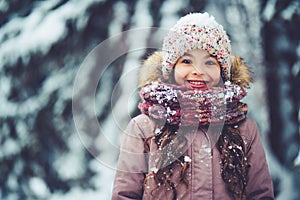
(193, 139)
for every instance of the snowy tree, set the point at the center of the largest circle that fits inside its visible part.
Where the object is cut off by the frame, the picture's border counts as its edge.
(48, 152)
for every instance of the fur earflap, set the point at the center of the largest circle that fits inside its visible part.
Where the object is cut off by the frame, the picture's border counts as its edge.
(240, 72)
(151, 70)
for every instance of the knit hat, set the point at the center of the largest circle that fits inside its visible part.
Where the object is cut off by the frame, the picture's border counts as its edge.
(196, 31)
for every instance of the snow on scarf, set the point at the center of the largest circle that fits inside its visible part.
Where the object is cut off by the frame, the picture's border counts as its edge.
(179, 105)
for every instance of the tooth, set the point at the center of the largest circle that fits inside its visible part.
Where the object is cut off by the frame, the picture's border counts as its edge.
(196, 82)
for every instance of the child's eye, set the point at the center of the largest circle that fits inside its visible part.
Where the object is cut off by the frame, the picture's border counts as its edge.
(186, 61)
(209, 62)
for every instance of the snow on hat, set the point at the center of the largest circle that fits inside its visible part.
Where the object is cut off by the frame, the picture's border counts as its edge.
(196, 31)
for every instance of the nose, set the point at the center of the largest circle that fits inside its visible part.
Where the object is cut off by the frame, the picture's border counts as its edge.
(197, 70)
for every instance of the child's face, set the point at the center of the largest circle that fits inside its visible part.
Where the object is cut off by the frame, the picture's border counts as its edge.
(197, 69)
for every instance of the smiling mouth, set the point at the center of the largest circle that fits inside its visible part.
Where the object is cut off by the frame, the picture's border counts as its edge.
(195, 84)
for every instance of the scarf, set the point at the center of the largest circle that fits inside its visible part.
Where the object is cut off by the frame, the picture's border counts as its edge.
(182, 106)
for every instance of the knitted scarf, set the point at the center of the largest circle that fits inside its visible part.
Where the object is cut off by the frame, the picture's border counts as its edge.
(179, 105)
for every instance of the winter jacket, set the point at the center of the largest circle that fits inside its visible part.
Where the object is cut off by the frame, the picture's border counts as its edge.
(204, 173)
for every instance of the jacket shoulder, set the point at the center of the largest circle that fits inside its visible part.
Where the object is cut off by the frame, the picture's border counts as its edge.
(249, 123)
(144, 123)
(249, 130)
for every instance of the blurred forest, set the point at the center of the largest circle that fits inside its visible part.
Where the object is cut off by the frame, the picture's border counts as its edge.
(68, 75)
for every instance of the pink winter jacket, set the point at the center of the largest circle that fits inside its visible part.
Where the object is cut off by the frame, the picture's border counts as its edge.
(204, 173)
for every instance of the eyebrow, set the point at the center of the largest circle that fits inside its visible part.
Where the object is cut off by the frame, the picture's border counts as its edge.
(187, 54)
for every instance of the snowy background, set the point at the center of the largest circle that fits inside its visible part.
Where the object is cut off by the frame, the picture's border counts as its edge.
(68, 86)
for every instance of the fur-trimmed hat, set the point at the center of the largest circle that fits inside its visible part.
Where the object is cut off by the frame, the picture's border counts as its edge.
(196, 31)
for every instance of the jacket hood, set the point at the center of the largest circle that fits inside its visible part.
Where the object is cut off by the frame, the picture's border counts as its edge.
(151, 70)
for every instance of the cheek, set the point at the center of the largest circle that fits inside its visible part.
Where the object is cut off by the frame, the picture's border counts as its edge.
(179, 74)
(216, 76)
